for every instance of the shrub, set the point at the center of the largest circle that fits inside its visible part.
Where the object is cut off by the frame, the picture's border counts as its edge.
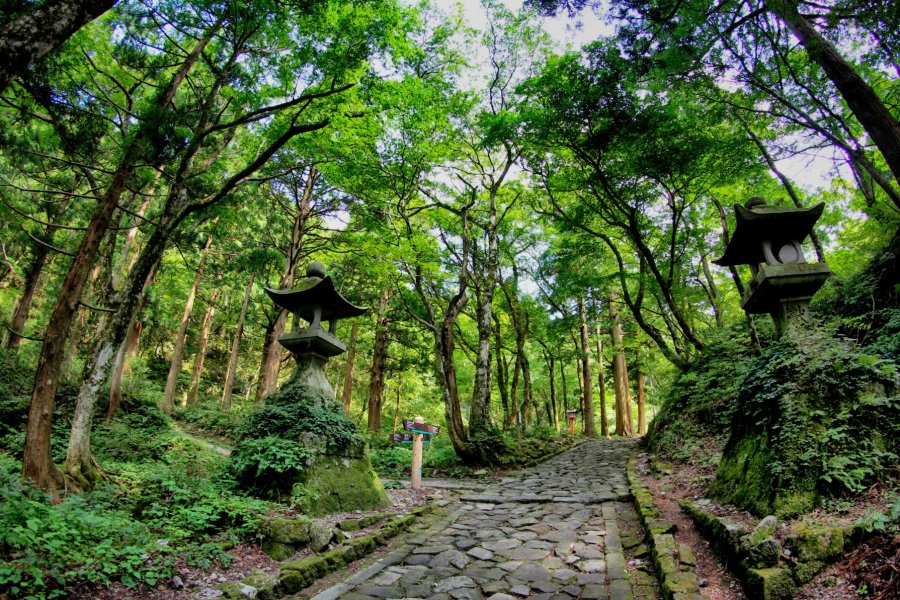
(269, 465)
(392, 462)
(47, 549)
(212, 420)
(292, 421)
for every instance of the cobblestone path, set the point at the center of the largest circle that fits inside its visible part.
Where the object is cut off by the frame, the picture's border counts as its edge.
(555, 531)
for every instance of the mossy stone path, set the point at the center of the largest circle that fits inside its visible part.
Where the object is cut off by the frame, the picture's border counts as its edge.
(555, 531)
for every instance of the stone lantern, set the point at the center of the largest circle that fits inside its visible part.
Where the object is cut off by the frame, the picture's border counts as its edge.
(769, 238)
(338, 473)
(316, 301)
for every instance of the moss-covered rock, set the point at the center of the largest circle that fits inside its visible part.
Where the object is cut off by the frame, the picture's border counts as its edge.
(814, 416)
(343, 484)
(769, 584)
(817, 542)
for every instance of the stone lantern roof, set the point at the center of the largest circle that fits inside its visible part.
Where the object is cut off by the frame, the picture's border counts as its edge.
(314, 300)
(769, 234)
(769, 239)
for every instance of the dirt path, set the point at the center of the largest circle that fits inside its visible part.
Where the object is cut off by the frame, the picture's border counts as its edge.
(221, 450)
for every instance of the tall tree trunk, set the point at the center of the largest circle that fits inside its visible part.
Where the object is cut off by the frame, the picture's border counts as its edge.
(167, 404)
(480, 413)
(565, 387)
(397, 405)
(196, 373)
(270, 363)
(601, 383)
(376, 373)
(873, 115)
(347, 396)
(29, 37)
(37, 465)
(23, 306)
(527, 392)
(236, 347)
(128, 349)
(80, 466)
(502, 368)
(712, 291)
(551, 373)
(620, 376)
(516, 406)
(587, 395)
(641, 397)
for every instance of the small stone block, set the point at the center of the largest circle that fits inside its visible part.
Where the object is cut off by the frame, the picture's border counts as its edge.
(686, 555)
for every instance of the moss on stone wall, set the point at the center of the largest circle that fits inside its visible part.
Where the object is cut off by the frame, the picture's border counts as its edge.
(814, 417)
(343, 484)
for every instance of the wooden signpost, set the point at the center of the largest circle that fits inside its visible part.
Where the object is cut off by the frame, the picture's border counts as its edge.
(421, 433)
(571, 412)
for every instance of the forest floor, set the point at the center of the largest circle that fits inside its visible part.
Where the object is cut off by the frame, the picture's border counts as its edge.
(872, 570)
(198, 582)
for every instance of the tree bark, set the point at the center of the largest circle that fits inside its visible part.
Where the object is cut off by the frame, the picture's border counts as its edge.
(128, 349)
(347, 395)
(641, 398)
(23, 306)
(551, 373)
(167, 404)
(620, 376)
(480, 413)
(712, 291)
(586, 379)
(31, 36)
(270, 363)
(196, 373)
(236, 347)
(376, 373)
(502, 376)
(601, 383)
(873, 115)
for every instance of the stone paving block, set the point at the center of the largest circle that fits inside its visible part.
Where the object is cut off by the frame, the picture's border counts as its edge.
(620, 590)
(615, 565)
(594, 591)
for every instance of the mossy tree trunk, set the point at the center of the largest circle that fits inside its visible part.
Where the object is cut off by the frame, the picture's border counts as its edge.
(601, 383)
(347, 392)
(624, 426)
(586, 379)
(379, 355)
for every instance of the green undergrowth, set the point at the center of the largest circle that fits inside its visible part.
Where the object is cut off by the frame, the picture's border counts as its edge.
(275, 446)
(507, 449)
(166, 499)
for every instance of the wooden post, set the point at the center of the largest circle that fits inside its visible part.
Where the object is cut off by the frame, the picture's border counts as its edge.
(417, 456)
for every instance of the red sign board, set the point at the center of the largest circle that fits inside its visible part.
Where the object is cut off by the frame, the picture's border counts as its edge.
(421, 427)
